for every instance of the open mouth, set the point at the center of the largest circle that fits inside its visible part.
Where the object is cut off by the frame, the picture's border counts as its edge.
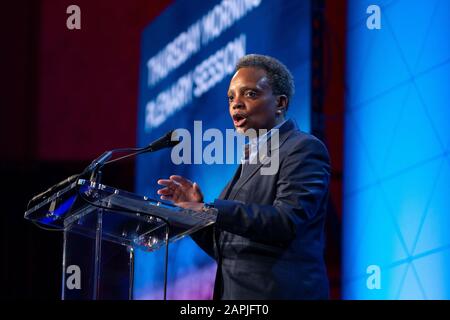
(239, 120)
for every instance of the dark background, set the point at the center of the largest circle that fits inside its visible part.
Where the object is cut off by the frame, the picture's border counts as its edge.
(68, 95)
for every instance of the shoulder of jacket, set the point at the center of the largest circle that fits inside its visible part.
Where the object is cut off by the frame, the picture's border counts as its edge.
(299, 138)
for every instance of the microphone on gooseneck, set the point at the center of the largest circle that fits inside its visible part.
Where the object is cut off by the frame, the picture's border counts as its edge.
(168, 140)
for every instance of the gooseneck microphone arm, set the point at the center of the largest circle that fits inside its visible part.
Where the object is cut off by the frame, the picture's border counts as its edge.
(166, 141)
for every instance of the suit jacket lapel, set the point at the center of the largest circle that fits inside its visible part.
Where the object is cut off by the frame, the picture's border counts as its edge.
(225, 192)
(250, 169)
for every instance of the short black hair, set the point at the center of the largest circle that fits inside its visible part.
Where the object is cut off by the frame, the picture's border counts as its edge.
(280, 78)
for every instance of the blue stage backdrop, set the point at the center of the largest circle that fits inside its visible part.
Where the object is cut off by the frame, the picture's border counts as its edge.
(188, 56)
(397, 168)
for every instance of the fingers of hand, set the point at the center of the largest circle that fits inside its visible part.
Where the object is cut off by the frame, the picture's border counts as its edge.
(197, 188)
(177, 189)
(182, 181)
(166, 182)
(170, 186)
(174, 195)
(177, 195)
(165, 192)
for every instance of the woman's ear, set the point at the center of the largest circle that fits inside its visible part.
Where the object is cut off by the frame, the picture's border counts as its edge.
(282, 104)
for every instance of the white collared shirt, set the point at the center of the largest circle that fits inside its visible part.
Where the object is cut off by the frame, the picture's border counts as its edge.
(253, 145)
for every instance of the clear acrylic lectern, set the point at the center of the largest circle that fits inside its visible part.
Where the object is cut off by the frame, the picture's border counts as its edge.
(102, 227)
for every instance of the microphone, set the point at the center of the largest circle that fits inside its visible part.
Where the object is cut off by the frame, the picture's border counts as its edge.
(166, 141)
(100, 160)
(56, 186)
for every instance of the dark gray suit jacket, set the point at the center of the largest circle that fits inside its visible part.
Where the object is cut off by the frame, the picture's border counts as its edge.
(268, 240)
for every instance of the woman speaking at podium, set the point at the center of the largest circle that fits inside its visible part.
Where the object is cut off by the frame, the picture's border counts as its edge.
(268, 239)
